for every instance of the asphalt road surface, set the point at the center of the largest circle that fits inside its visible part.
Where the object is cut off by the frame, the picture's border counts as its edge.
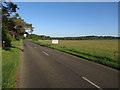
(42, 67)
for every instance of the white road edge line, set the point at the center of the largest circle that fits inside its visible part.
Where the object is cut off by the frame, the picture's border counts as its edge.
(92, 83)
(45, 53)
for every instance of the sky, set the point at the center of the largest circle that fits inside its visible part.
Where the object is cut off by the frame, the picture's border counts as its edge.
(64, 19)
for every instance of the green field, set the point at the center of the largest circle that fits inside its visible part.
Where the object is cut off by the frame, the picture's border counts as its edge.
(10, 62)
(101, 51)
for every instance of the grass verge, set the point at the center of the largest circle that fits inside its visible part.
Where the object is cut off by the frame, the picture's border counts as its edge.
(10, 62)
(99, 59)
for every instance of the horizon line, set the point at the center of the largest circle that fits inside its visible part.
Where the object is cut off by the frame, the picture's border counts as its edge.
(79, 36)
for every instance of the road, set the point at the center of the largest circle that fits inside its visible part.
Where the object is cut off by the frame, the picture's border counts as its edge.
(42, 67)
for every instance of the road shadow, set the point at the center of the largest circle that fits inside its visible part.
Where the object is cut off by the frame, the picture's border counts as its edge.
(6, 48)
(18, 48)
(9, 48)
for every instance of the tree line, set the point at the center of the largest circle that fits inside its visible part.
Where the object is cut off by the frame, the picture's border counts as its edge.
(43, 37)
(13, 26)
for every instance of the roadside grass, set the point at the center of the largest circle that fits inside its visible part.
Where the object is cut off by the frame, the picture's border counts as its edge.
(10, 62)
(17, 43)
(100, 51)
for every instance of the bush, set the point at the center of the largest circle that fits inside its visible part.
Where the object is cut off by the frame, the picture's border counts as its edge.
(6, 37)
(35, 39)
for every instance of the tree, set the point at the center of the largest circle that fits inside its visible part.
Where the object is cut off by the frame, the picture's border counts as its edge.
(13, 26)
(7, 9)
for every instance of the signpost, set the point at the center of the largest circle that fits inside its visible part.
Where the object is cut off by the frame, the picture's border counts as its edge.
(3, 43)
(54, 41)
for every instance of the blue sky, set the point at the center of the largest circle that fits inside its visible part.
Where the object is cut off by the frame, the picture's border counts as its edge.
(62, 19)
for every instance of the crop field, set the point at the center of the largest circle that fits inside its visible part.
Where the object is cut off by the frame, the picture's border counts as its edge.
(10, 62)
(103, 48)
(101, 51)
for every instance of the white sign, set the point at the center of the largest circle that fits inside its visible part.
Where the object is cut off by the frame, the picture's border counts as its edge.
(25, 35)
(3, 41)
(54, 41)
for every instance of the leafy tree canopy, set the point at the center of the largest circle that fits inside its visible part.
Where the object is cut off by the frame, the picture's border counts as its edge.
(13, 26)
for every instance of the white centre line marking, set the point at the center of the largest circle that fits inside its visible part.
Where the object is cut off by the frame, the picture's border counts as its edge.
(92, 83)
(45, 53)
